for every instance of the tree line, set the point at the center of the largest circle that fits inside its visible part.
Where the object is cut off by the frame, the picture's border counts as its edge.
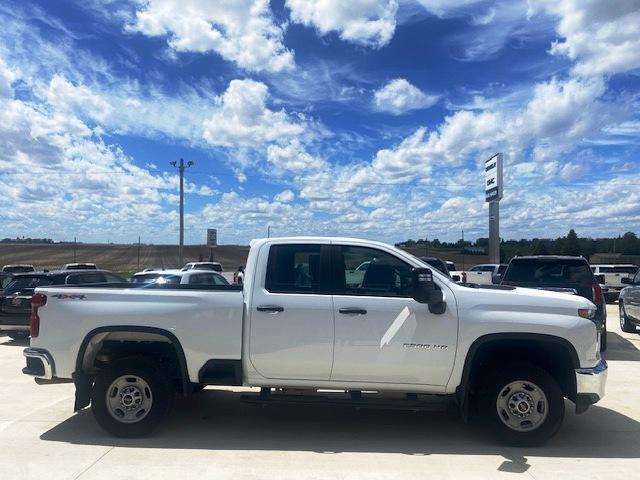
(571, 244)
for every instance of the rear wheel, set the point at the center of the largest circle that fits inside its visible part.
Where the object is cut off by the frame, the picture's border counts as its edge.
(131, 398)
(625, 324)
(524, 405)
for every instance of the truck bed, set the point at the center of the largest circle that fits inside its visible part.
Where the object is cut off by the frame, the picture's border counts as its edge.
(207, 321)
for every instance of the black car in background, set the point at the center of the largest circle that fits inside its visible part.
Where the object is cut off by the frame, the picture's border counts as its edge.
(438, 264)
(629, 304)
(572, 275)
(15, 298)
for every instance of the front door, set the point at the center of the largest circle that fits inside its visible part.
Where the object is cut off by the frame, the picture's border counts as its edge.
(382, 334)
(291, 323)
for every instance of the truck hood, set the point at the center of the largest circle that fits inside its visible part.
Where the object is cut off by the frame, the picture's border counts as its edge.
(523, 299)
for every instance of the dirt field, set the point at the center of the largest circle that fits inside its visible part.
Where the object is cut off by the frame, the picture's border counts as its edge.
(118, 258)
(124, 258)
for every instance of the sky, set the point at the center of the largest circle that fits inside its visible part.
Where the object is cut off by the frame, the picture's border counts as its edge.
(366, 118)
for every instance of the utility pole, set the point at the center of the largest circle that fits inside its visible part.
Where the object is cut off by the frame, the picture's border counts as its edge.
(74, 249)
(181, 167)
(462, 249)
(138, 252)
(268, 231)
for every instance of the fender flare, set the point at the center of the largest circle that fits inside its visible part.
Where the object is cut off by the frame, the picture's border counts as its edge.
(82, 382)
(462, 391)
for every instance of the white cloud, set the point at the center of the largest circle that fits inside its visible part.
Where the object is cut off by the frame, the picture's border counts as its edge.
(399, 96)
(69, 180)
(602, 37)
(293, 157)
(286, 196)
(69, 98)
(559, 116)
(241, 31)
(242, 118)
(7, 77)
(364, 22)
(444, 8)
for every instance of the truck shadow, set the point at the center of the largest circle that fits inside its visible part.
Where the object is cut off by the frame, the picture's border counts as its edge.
(219, 420)
(620, 348)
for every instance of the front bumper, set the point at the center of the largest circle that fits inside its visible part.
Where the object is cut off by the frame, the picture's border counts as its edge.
(590, 385)
(39, 364)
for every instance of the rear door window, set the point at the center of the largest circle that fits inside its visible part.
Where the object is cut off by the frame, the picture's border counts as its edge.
(294, 268)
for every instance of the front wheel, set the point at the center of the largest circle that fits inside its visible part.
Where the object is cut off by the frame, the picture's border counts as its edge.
(524, 405)
(131, 398)
(625, 324)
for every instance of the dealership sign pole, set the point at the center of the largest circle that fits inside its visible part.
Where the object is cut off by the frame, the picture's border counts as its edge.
(493, 194)
(212, 241)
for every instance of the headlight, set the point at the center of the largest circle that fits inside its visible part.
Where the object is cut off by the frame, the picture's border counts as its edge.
(588, 313)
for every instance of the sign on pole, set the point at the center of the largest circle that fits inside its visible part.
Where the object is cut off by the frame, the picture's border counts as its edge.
(212, 237)
(493, 178)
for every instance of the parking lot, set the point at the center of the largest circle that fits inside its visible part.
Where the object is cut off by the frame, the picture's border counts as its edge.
(215, 435)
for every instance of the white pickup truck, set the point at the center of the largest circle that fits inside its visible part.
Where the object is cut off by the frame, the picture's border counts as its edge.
(612, 276)
(480, 274)
(303, 321)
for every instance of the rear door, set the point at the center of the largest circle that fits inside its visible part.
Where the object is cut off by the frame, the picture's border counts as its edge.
(292, 328)
(382, 334)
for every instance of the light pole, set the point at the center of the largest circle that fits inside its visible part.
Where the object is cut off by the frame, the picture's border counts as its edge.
(181, 167)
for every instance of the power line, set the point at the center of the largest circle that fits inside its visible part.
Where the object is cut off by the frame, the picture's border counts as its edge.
(416, 182)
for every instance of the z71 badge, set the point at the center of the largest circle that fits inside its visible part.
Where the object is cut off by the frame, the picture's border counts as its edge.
(69, 296)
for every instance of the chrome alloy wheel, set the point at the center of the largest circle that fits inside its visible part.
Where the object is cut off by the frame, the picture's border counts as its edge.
(129, 399)
(522, 406)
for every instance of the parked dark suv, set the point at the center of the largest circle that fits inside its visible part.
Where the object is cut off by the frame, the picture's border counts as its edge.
(15, 299)
(572, 275)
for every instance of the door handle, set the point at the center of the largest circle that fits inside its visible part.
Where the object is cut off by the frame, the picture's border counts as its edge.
(353, 311)
(270, 308)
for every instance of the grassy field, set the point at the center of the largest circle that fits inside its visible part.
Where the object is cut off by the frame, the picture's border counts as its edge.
(124, 258)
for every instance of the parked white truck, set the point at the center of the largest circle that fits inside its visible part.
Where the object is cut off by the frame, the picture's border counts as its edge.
(300, 321)
(484, 274)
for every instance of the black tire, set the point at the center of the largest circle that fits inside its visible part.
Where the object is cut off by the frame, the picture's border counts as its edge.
(528, 374)
(625, 325)
(17, 335)
(159, 390)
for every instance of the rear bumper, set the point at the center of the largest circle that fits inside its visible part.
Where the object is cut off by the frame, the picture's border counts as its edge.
(39, 364)
(590, 385)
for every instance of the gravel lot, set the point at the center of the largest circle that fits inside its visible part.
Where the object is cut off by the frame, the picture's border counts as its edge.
(215, 435)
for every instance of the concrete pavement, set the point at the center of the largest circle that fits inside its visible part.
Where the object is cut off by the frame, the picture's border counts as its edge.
(215, 435)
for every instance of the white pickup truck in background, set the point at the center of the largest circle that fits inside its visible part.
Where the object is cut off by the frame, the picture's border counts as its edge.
(612, 276)
(483, 274)
(304, 320)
